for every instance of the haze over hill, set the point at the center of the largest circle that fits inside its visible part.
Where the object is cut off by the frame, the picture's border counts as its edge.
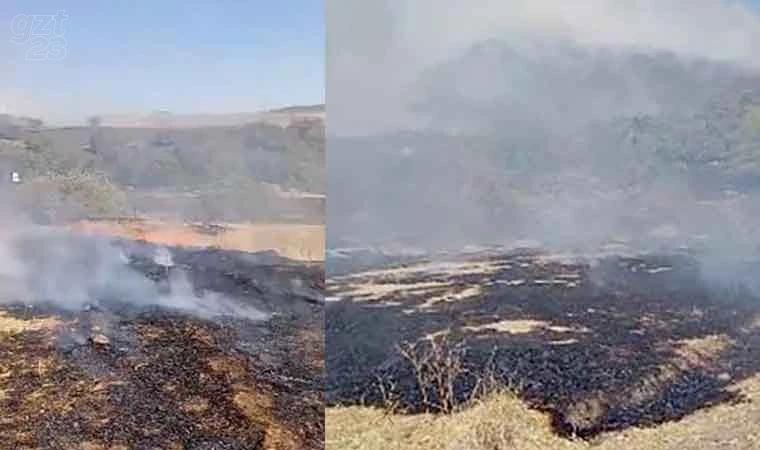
(542, 198)
(514, 128)
(525, 139)
(378, 53)
(202, 167)
(167, 119)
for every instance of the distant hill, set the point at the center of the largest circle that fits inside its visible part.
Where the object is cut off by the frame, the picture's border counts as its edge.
(165, 119)
(15, 126)
(244, 171)
(308, 109)
(565, 85)
(553, 131)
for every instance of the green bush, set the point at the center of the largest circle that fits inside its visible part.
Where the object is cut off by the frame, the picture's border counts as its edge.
(63, 196)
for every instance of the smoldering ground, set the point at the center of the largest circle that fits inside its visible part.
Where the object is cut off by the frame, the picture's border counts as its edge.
(105, 340)
(54, 267)
(452, 127)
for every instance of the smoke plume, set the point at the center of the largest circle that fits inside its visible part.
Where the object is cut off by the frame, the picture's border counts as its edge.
(575, 126)
(46, 266)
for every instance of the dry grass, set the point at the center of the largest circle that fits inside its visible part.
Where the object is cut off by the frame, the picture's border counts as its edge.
(438, 269)
(502, 422)
(498, 422)
(295, 241)
(524, 327)
(259, 407)
(726, 426)
(372, 292)
(11, 325)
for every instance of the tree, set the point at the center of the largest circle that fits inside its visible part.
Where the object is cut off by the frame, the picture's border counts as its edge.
(94, 122)
(752, 119)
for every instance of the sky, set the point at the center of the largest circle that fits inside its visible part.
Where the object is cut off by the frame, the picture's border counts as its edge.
(137, 56)
(378, 49)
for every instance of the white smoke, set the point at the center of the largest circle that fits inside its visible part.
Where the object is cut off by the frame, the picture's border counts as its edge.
(49, 266)
(377, 49)
(163, 257)
(554, 85)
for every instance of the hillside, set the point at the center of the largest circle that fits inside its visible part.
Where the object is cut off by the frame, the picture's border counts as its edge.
(548, 132)
(230, 172)
(165, 119)
(564, 85)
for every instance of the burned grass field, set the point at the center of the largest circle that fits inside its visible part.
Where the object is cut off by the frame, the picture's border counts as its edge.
(118, 375)
(602, 346)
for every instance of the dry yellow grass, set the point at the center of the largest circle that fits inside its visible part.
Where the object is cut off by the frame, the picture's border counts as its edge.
(258, 407)
(296, 241)
(503, 422)
(499, 422)
(12, 325)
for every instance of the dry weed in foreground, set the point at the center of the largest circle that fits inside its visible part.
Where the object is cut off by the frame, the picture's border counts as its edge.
(491, 418)
(437, 368)
(499, 422)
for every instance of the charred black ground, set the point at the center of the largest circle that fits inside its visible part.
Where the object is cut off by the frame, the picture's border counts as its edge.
(618, 342)
(119, 376)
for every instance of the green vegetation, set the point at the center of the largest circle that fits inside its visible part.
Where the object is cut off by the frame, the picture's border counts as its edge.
(209, 171)
(752, 119)
(67, 196)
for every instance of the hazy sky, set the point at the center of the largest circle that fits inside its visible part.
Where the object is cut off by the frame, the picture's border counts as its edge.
(136, 56)
(377, 48)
